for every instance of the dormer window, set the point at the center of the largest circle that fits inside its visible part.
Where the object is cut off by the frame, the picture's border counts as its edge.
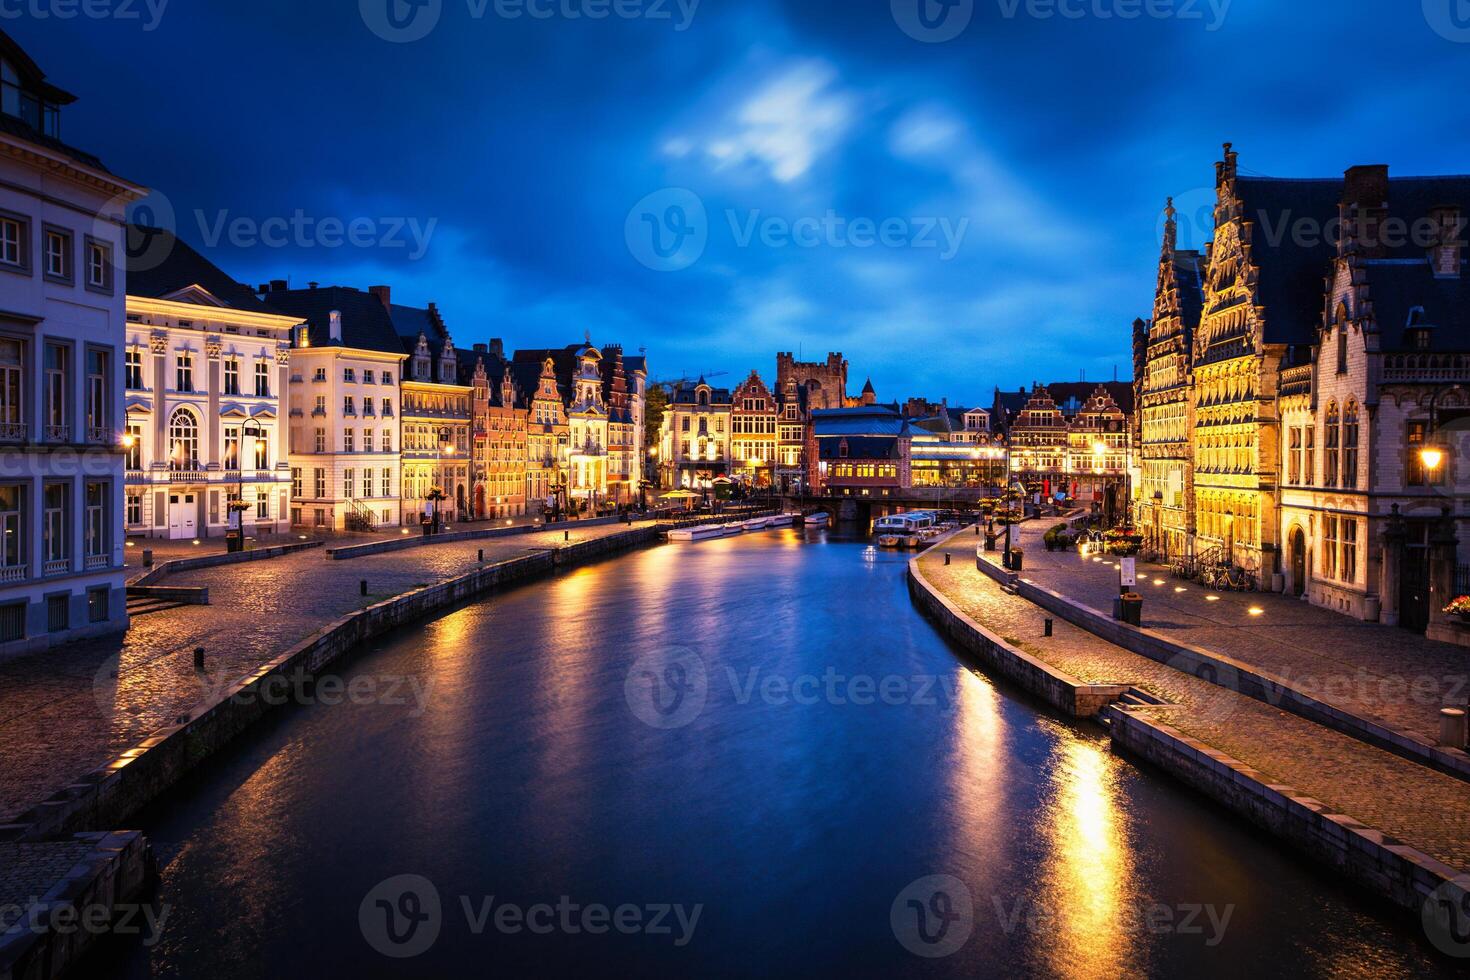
(1420, 338)
(40, 112)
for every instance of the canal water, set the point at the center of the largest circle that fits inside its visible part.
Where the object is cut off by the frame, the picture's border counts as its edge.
(740, 757)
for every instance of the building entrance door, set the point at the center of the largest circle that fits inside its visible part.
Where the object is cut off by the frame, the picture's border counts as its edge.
(1298, 563)
(1414, 582)
(183, 515)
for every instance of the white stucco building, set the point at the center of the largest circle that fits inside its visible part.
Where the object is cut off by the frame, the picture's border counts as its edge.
(206, 370)
(61, 336)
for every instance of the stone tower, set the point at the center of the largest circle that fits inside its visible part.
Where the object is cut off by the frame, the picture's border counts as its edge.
(826, 383)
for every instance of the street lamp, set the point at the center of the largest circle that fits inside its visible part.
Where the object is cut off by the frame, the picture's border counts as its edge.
(1433, 456)
(250, 430)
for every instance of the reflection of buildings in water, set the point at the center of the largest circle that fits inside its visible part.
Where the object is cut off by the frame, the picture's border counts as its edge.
(1088, 904)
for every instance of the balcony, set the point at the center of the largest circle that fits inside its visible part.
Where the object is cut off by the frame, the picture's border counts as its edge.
(58, 566)
(99, 435)
(12, 431)
(190, 475)
(57, 433)
(93, 563)
(11, 574)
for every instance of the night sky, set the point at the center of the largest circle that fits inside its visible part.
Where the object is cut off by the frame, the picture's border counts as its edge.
(1000, 191)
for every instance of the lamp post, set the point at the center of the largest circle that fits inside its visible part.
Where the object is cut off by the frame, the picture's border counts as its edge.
(130, 441)
(1006, 496)
(446, 448)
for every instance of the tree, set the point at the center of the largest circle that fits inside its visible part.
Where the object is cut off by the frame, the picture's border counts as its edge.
(656, 403)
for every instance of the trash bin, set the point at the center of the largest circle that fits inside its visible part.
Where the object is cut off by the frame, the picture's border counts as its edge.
(990, 542)
(1133, 609)
(234, 541)
(1452, 727)
(1018, 560)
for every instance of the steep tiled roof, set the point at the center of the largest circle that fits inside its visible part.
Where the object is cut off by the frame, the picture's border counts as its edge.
(1406, 294)
(365, 323)
(685, 395)
(181, 267)
(1071, 396)
(1293, 241)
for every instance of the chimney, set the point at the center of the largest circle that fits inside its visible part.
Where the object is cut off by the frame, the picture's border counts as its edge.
(384, 295)
(1365, 205)
(334, 331)
(274, 286)
(497, 347)
(312, 285)
(1445, 257)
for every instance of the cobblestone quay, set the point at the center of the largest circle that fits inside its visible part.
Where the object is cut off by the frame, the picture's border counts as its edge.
(67, 711)
(1424, 808)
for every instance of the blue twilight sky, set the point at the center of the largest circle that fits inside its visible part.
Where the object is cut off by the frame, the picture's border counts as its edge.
(1016, 171)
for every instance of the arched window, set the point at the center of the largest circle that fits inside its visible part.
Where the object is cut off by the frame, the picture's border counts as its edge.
(1350, 446)
(183, 441)
(1332, 444)
(1342, 339)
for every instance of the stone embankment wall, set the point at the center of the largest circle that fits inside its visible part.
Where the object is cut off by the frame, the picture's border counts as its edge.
(109, 795)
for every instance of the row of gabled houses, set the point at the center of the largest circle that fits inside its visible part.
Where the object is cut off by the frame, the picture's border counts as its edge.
(805, 435)
(1303, 391)
(335, 408)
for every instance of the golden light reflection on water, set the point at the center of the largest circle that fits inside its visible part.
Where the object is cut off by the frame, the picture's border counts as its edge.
(979, 777)
(1087, 899)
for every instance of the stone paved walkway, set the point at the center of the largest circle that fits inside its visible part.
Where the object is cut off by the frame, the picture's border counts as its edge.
(1383, 673)
(28, 872)
(1421, 807)
(65, 711)
(165, 549)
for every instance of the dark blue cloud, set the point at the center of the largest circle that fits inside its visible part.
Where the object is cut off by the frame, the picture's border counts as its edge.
(1050, 142)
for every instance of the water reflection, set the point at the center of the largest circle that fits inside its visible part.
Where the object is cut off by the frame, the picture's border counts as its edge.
(795, 823)
(1088, 896)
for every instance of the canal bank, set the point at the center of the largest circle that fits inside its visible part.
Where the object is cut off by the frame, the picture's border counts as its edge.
(109, 795)
(830, 752)
(1409, 838)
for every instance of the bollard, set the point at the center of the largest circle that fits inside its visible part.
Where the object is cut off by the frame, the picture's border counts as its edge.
(566, 535)
(946, 558)
(977, 530)
(1452, 727)
(482, 554)
(198, 658)
(147, 557)
(362, 586)
(1049, 627)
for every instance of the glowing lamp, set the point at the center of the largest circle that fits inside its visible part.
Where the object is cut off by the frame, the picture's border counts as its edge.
(1431, 458)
